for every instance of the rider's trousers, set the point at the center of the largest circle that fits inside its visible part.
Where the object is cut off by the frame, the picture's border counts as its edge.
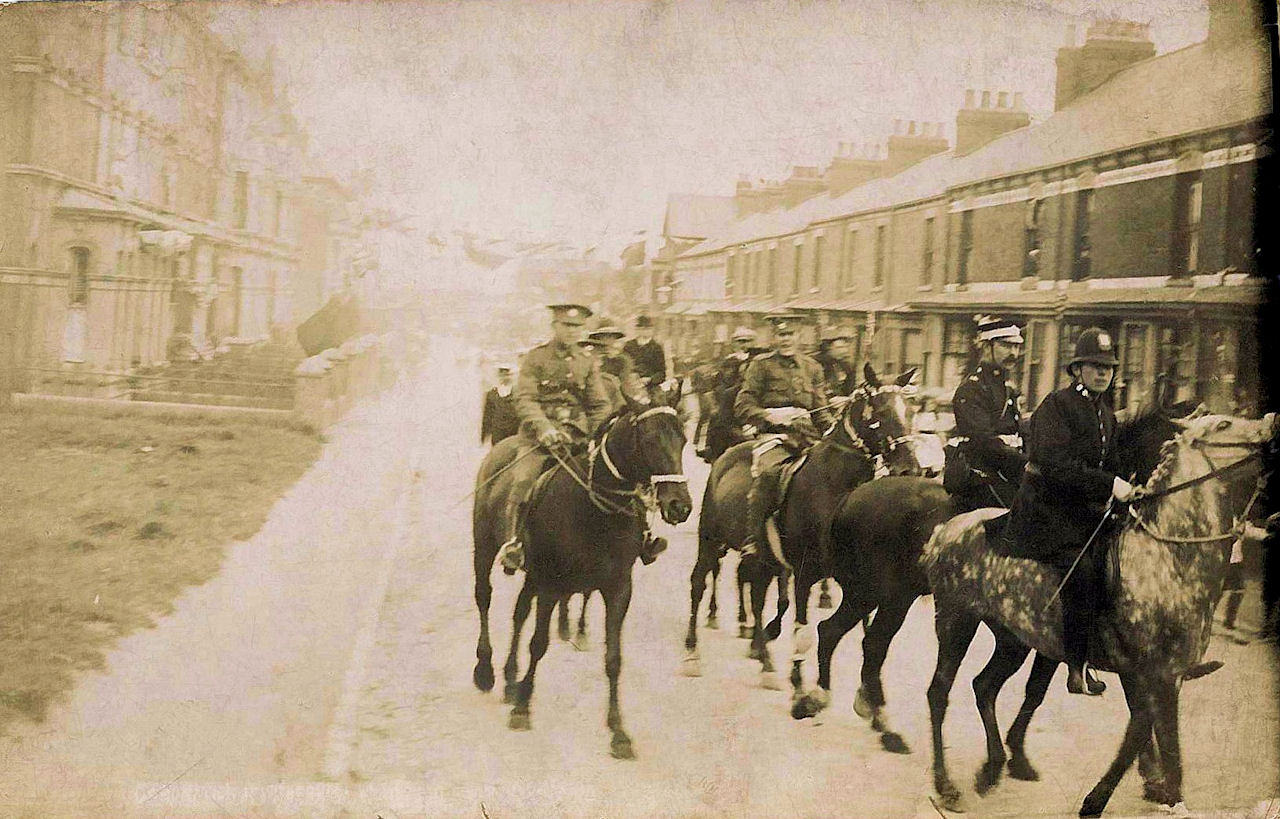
(524, 473)
(1080, 599)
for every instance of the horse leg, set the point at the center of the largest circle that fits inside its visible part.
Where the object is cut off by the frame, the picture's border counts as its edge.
(801, 642)
(955, 631)
(712, 621)
(518, 616)
(1006, 659)
(1042, 670)
(759, 586)
(615, 611)
(579, 640)
(562, 621)
(1165, 714)
(743, 631)
(519, 719)
(853, 605)
(774, 629)
(1136, 735)
(691, 665)
(875, 647)
(482, 676)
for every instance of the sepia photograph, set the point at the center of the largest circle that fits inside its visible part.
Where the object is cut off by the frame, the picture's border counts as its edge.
(623, 409)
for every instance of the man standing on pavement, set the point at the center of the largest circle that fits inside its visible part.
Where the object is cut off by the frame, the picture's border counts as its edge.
(782, 391)
(560, 401)
(499, 420)
(984, 457)
(647, 354)
(837, 366)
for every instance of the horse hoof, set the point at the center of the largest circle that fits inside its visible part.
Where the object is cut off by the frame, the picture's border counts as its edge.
(713, 623)
(988, 777)
(580, 642)
(950, 800)
(1093, 805)
(691, 666)
(894, 743)
(744, 632)
(1178, 809)
(860, 705)
(824, 601)
(773, 630)
(483, 677)
(519, 721)
(769, 681)
(620, 748)
(1020, 768)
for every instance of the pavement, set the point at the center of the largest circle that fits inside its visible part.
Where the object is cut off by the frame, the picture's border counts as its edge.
(327, 672)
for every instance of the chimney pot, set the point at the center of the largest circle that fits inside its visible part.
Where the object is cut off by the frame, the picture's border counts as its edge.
(986, 99)
(1017, 101)
(1002, 100)
(969, 96)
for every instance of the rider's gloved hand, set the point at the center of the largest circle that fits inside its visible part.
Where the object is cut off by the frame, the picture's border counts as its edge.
(552, 437)
(783, 416)
(1121, 489)
(838, 401)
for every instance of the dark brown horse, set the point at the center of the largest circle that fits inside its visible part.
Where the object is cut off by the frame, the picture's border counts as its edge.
(872, 425)
(1169, 562)
(583, 530)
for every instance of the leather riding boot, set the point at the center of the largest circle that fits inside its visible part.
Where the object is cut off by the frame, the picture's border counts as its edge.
(511, 554)
(1077, 625)
(760, 502)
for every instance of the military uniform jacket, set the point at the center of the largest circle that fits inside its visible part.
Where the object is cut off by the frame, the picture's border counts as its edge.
(649, 359)
(774, 380)
(985, 407)
(560, 386)
(838, 374)
(1069, 477)
(499, 420)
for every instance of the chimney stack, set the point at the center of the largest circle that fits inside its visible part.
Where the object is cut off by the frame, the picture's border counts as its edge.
(976, 127)
(854, 165)
(1234, 21)
(1110, 46)
(912, 144)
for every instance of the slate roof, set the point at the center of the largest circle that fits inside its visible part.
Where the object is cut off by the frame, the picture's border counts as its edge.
(692, 216)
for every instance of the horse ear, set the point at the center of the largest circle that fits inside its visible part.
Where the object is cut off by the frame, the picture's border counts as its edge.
(907, 377)
(869, 373)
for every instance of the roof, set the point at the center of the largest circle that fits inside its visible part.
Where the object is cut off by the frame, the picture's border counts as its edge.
(1193, 89)
(693, 216)
(1209, 289)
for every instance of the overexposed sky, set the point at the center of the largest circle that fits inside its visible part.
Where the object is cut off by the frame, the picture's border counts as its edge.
(576, 119)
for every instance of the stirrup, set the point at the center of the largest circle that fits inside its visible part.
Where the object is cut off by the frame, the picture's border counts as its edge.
(511, 556)
(1079, 682)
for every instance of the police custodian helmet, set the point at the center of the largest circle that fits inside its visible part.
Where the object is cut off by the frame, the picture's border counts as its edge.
(1094, 347)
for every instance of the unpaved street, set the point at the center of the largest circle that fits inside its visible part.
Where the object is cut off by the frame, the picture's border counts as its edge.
(327, 671)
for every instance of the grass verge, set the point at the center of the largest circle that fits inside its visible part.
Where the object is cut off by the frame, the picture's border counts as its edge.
(105, 520)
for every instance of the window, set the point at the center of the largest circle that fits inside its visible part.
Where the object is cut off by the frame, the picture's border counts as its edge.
(816, 282)
(955, 351)
(753, 278)
(773, 271)
(240, 218)
(966, 247)
(912, 351)
(1039, 331)
(850, 259)
(795, 269)
(926, 253)
(1134, 374)
(730, 270)
(1188, 199)
(1031, 239)
(878, 281)
(79, 275)
(1238, 226)
(1082, 263)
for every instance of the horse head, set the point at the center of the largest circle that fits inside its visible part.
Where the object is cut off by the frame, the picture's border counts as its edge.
(652, 450)
(877, 415)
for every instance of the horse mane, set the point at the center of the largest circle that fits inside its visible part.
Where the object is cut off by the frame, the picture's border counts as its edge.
(1142, 444)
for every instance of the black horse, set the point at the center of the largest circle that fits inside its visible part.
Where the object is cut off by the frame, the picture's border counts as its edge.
(872, 424)
(583, 530)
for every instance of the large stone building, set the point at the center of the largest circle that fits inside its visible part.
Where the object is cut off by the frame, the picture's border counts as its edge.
(151, 190)
(1130, 207)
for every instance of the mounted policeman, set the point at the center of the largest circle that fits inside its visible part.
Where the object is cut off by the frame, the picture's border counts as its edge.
(783, 392)
(560, 400)
(984, 457)
(724, 431)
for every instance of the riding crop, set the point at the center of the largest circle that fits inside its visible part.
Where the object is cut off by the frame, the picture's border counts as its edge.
(1106, 513)
(493, 477)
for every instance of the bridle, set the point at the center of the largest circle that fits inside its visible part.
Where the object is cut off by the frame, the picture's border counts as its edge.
(865, 392)
(1215, 471)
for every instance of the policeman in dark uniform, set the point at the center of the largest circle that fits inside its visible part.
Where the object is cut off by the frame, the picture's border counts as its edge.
(782, 391)
(613, 388)
(1065, 488)
(723, 431)
(560, 400)
(647, 354)
(837, 368)
(499, 420)
(617, 363)
(984, 454)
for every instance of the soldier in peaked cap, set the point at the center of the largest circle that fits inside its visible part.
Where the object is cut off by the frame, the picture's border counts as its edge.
(1069, 479)
(723, 430)
(984, 458)
(560, 400)
(647, 354)
(617, 363)
(782, 391)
